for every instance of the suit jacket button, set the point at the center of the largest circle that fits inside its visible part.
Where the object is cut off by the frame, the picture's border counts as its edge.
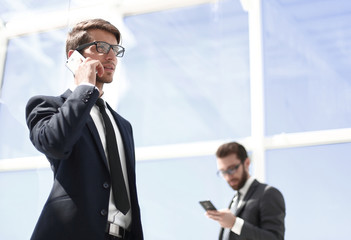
(106, 185)
(103, 212)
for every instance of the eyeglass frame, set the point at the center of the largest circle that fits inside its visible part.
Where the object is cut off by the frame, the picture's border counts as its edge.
(229, 171)
(85, 45)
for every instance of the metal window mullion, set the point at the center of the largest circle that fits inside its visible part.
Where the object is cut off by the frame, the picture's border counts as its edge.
(3, 49)
(257, 88)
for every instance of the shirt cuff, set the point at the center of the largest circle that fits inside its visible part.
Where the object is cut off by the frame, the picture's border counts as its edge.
(85, 83)
(238, 225)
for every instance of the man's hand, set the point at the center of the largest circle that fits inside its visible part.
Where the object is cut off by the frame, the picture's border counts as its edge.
(224, 217)
(87, 71)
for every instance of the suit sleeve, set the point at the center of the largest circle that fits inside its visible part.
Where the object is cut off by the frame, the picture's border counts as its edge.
(271, 214)
(56, 124)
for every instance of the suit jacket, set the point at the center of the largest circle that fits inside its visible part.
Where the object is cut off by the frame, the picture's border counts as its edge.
(62, 129)
(263, 212)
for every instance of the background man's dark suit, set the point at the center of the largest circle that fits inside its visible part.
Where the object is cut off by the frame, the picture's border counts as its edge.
(62, 129)
(263, 210)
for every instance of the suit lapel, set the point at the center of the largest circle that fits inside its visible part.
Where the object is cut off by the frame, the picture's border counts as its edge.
(91, 126)
(248, 195)
(96, 137)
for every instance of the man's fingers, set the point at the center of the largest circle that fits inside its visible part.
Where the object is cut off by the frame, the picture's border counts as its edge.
(213, 217)
(100, 69)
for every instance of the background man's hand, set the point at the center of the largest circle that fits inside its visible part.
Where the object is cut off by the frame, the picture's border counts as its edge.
(224, 217)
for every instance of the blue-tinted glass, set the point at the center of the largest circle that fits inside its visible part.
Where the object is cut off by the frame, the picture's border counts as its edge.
(315, 184)
(21, 9)
(23, 194)
(34, 65)
(188, 74)
(307, 65)
(169, 194)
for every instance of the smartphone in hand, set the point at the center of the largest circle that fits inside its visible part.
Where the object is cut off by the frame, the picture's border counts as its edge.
(207, 205)
(74, 60)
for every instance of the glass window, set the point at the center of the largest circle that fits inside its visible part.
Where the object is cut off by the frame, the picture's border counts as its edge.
(314, 181)
(14, 9)
(307, 65)
(188, 74)
(170, 191)
(21, 8)
(34, 65)
(23, 194)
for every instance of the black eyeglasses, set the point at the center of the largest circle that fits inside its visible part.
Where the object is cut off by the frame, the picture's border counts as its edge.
(229, 171)
(104, 47)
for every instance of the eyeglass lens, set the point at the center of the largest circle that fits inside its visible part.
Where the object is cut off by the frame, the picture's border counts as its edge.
(104, 47)
(229, 171)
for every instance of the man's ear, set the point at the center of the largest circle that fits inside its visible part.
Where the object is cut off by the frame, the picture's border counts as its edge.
(247, 163)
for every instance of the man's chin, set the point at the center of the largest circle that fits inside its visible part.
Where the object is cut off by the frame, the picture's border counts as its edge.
(104, 80)
(235, 187)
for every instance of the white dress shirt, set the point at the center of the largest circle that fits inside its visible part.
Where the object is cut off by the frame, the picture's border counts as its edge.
(239, 222)
(114, 215)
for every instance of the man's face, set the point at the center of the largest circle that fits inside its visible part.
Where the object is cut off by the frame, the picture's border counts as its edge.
(109, 60)
(241, 174)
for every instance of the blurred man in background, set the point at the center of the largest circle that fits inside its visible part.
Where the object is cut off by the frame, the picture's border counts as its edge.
(257, 210)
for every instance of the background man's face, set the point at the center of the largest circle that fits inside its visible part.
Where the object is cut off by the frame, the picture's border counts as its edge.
(239, 177)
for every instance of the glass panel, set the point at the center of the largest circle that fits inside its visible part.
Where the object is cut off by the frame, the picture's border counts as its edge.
(169, 194)
(165, 187)
(307, 65)
(10, 9)
(188, 75)
(23, 194)
(34, 65)
(13, 9)
(315, 184)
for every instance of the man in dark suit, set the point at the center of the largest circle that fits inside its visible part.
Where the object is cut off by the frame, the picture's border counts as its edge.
(73, 133)
(257, 211)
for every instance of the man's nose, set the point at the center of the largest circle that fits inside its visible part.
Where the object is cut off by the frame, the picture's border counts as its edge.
(111, 54)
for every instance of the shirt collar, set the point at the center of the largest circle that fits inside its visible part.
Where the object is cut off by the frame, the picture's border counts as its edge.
(246, 186)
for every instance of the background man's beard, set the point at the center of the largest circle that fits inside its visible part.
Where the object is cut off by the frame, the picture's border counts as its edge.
(243, 179)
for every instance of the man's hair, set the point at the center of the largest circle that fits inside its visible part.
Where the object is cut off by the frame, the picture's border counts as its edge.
(232, 148)
(79, 34)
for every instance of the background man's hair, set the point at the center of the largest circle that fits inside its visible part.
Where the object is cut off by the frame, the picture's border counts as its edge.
(232, 148)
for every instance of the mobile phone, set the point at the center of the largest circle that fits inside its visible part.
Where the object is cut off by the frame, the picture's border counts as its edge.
(207, 205)
(74, 60)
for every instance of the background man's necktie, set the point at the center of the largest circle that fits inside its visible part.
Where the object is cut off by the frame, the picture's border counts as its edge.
(118, 185)
(233, 209)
